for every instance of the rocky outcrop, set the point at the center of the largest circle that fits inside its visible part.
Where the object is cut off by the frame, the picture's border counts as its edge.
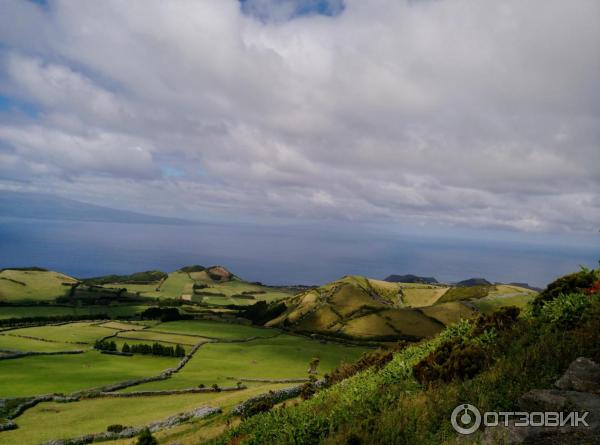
(577, 393)
(582, 375)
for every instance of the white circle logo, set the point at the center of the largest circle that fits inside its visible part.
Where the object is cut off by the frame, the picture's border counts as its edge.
(465, 419)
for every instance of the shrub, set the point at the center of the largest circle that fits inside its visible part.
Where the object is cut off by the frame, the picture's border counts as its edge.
(115, 428)
(577, 282)
(308, 390)
(146, 438)
(463, 357)
(565, 311)
(375, 360)
(259, 406)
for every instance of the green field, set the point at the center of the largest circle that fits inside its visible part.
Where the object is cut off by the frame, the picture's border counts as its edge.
(35, 375)
(21, 285)
(8, 341)
(52, 311)
(150, 336)
(212, 329)
(72, 332)
(282, 357)
(52, 420)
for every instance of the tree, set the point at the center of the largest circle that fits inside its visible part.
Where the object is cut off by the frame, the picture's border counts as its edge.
(312, 366)
(126, 348)
(146, 438)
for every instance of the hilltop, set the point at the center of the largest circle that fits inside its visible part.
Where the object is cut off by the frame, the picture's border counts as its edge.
(357, 307)
(409, 278)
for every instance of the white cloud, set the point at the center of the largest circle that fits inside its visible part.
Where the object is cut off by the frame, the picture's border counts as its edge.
(473, 113)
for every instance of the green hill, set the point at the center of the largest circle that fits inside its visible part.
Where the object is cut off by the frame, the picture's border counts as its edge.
(33, 284)
(362, 308)
(356, 307)
(407, 396)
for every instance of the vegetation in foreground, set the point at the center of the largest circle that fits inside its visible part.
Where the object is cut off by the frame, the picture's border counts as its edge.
(489, 362)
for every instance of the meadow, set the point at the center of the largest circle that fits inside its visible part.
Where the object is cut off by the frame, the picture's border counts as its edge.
(55, 310)
(51, 420)
(18, 285)
(282, 357)
(212, 329)
(30, 376)
(234, 352)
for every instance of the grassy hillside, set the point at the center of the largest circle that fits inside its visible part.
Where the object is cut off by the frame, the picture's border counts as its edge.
(356, 307)
(33, 285)
(361, 308)
(215, 286)
(488, 362)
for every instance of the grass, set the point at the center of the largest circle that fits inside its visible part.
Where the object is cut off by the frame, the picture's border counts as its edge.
(150, 336)
(52, 420)
(213, 329)
(176, 284)
(465, 293)
(275, 358)
(8, 341)
(389, 406)
(19, 285)
(448, 313)
(492, 303)
(30, 376)
(145, 290)
(422, 296)
(72, 332)
(51, 311)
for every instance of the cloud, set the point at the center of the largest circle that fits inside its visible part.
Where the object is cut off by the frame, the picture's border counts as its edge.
(477, 114)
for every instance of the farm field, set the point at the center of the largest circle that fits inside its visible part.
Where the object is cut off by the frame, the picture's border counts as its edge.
(229, 356)
(29, 376)
(282, 357)
(213, 329)
(150, 336)
(425, 295)
(22, 285)
(51, 311)
(71, 332)
(52, 420)
(12, 342)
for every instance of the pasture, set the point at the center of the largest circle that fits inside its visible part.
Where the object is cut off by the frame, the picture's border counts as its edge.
(25, 285)
(53, 311)
(213, 329)
(10, 341)
(84, 332)
(151, 336)
(282, 357)
(29, 376)
(52, 420)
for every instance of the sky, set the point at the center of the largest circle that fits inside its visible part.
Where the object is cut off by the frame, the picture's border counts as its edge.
(467, 115)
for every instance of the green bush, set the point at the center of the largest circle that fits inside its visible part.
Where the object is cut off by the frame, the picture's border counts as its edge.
(565, 311)
(257, 407)
(578, 282)
(146, 438)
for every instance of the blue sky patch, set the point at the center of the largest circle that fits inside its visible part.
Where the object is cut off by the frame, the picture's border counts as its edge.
(10, 104)
(277, 10)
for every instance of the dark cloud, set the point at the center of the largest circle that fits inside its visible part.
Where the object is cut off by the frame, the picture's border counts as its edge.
(470, 113)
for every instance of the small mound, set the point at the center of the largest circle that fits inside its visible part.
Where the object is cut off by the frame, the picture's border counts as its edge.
(474, 282)
(219, 273)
